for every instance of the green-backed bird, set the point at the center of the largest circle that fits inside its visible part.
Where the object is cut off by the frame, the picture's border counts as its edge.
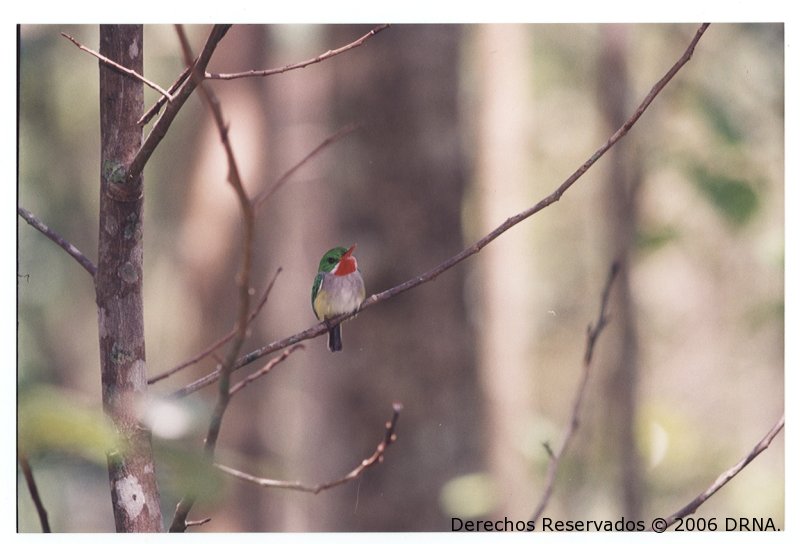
(338, 289)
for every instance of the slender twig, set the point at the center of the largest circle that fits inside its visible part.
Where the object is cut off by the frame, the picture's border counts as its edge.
(272, 363)
(243, 279)
(725, 477)
(267, 193)
(389, 438)
(119, 67)
(592, 334)
(71, 250)
(155, 108)
(161, 126)
(324, 56)
(555, 196)
(27, 471)
(221, 341)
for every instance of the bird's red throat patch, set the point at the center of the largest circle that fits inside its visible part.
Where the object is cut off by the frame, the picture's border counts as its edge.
(347, 264)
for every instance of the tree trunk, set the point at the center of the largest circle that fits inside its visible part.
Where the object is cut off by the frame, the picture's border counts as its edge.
(118, 284)
(621, 385)
(396, 187)
(509, 275)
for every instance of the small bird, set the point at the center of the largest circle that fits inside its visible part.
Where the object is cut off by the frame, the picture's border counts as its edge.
(338, 289)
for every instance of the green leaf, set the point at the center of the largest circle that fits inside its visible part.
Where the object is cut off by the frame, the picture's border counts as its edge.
(469, 496)
(717, 113)
(733, 198)
(655, 238)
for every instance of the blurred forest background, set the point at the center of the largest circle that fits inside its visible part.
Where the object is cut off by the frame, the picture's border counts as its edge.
(460, 128)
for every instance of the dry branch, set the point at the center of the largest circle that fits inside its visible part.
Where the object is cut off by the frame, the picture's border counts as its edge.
(117, 66)
(155, 108)
(272, 363)
(161, 127)
(30, 481)
(71, 250)
(220, 342)
(389, 437)
(592, 334)
(324, 56)
(725, 477)
(179, 522)
(267, 193)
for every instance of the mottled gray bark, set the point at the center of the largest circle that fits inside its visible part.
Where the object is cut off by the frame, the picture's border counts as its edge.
(118, 284)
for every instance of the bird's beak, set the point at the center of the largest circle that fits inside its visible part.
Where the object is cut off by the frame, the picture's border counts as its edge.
(349, 252)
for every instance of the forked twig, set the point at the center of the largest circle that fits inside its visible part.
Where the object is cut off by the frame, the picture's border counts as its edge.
(219, 342)
(592, 334)
(155, 108)
(181, 94)
(272, 363)
(319, 58)
(389, 437)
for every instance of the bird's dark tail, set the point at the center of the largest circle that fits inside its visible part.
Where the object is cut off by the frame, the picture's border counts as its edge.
(335, 338)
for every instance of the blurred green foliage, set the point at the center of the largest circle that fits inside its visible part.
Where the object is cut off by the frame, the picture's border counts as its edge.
(733, 198)
(51, 420)
(723, 123)
(469, 496)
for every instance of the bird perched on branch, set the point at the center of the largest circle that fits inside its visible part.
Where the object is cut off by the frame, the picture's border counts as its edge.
(338, 289)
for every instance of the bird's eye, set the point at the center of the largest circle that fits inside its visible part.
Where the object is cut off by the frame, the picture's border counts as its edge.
(331, 260)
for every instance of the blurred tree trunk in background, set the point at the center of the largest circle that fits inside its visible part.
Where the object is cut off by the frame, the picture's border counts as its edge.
(622, 352)
(118, 283)
(398, 187)
(508, 273)
(298, 421)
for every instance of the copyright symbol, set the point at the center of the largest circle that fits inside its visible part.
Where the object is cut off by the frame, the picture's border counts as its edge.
(659, 525)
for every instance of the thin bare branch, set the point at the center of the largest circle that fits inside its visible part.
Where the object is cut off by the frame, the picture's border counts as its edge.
(71, 250)
(243, 278)
(555, 196)
(267, 193)
(27, 471)
(324, 56)
(266, 368)
(221, 341)
(389, 438)
(725, 477)
(592, 334)
(119, 67)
